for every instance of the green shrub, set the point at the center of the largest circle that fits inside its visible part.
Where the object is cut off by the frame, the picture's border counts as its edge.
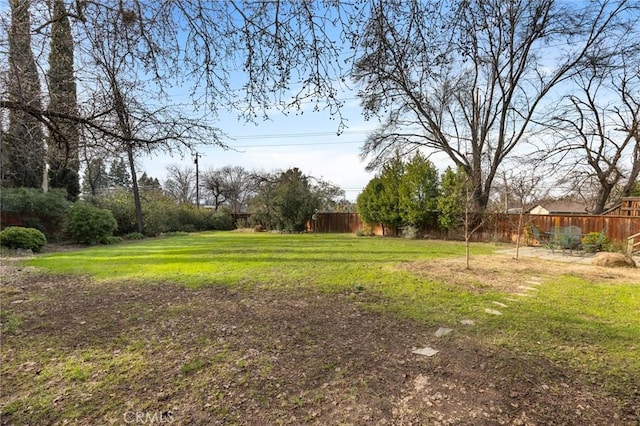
(23, 238)
(120, 204)
(41, 210)
(111, 240)
(134, 236)
(189, 219)
(221, 221)
(33, 202)
(592, 238)
(161, 214)
(88, 224)
(155, 222)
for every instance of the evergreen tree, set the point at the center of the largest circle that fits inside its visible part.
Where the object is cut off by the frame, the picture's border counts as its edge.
(95, 177)
(294, 201)
(23, 144)
(63, 143)
(367, 201)
(419, 192)
(452, 199)
(284, 200)
(147, 183)
(380, 202)
(391, 178)
(119, 174)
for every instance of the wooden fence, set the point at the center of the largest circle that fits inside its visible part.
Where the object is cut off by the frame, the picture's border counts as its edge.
(501, 228)
(336, 222)
(618, 228)
(629, 206)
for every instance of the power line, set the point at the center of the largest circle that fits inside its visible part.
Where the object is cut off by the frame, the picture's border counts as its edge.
(299, 135)
(296, 144)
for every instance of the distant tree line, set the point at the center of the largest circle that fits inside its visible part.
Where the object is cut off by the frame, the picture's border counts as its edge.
(282, 200)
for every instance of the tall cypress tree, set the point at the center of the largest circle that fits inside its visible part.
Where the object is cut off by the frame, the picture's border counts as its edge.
(23, 144)
(63, 142)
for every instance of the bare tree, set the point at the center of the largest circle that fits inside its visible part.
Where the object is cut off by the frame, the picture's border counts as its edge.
(215, 188)
(525, 187)
(131, 115)
(599, 124)
(231, 186)
(470, 220)
(468, 78)
(181, 184)
(249, 56)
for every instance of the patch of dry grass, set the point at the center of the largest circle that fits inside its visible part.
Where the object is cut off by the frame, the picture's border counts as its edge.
(498, 272)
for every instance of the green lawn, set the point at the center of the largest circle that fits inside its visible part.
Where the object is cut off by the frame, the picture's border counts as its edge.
(231, 258)
(587, 322)
(326, 262)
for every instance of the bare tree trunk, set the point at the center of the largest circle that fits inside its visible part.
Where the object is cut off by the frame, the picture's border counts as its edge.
(125, 129)
(136, 190)
(473, 220)
(604, 192)
(519, 232)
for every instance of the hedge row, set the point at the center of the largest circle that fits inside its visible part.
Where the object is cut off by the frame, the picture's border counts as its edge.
(96, 220)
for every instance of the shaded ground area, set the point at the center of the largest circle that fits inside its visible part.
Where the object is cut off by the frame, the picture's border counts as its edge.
(130, 353)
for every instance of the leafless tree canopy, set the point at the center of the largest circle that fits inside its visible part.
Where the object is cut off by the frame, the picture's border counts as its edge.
(180, 184)
(598, 125)
(231, 187)
(470, 78)
(249, 56)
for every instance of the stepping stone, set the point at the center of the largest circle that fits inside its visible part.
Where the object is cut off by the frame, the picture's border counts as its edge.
(492, 311)
(524, 287)
(523, 295)
(468, 322)
(502, 305)
(534, 282)
(443, 331)
(427, 351)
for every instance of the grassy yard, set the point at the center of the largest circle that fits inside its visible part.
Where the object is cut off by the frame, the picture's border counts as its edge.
(256, 328)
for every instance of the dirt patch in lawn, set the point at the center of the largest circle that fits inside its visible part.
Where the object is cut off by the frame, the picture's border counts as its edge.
(87, 353)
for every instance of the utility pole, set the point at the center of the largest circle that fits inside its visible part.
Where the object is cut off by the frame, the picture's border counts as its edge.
(197, 182)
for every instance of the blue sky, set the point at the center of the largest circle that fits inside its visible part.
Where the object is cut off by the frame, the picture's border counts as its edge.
(306, 140)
